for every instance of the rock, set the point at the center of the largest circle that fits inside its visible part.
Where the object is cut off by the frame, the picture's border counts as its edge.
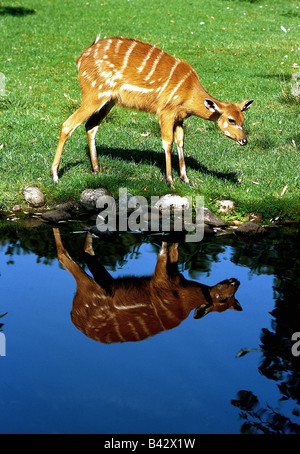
(171, 202)
(15, 208)
(34, 196)
(212, 219)
(128, 199)
(89, 198)
(208, 230)
(250, 229)
(256, 217)
(56, 216)
(226, 206)
(69, 206)
(103, 235)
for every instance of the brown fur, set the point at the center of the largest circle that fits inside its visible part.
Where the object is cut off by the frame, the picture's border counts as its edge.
(138, 75)
(134, 308)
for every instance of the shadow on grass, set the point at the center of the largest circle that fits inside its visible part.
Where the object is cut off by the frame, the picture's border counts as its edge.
(150, 157)
(15, 11)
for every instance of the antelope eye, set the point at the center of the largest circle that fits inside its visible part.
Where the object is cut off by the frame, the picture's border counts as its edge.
(223, 300)
(231, 121)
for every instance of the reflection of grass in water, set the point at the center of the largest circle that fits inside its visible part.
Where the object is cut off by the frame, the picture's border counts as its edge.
(262, 420)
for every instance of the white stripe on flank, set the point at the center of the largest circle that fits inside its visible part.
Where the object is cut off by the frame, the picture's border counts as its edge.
(111, 83)
(170, 75)
(154, 65)
(116, 75)
(135, 88)
(118, 44)
(140, 69)
(127, 55)
(107, 45)
(133, 306)
(178, 85)
(106, 74)
(105, 93)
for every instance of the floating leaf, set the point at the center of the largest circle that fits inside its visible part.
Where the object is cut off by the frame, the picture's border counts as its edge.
(244, 351)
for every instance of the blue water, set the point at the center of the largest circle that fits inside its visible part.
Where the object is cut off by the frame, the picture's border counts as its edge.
(56, 380)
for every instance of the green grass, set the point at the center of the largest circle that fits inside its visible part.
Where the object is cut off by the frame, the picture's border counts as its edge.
(240, 52)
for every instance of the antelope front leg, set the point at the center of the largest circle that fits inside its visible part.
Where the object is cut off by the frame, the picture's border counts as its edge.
(173, 253)
(88, 245)
(66, 130)
(86, 109)
(91, 127)
(166, 128)
(160, 272)
(172, 264)
(64, 257)
(179, 137)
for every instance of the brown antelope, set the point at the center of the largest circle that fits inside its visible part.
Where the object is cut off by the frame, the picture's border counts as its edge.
(140, 76)
(134, 308)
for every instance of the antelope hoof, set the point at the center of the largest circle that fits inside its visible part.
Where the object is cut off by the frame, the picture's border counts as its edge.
(185, 179)
(170, 183)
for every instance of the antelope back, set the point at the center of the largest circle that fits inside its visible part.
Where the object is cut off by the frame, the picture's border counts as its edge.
(134, 74)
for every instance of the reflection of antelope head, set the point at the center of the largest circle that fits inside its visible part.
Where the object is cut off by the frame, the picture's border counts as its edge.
(134, 308)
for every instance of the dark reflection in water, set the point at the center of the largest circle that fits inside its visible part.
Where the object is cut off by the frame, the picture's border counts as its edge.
(134, 308)
(282, 259)
(169, 293)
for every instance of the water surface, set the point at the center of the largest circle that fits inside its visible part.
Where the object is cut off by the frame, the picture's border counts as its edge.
(193, 379)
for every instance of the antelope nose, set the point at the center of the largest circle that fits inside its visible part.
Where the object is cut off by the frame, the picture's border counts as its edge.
(243, 142)
(234, 282)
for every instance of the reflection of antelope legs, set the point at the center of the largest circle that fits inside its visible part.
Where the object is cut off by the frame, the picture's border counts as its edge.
(134, 308)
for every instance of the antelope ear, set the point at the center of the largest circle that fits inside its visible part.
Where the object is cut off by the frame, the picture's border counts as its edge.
(202, 310)
(211, 105)
(236, 306)
(246, 104)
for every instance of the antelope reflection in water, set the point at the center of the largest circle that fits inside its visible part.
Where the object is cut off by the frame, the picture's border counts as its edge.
(134, 308)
